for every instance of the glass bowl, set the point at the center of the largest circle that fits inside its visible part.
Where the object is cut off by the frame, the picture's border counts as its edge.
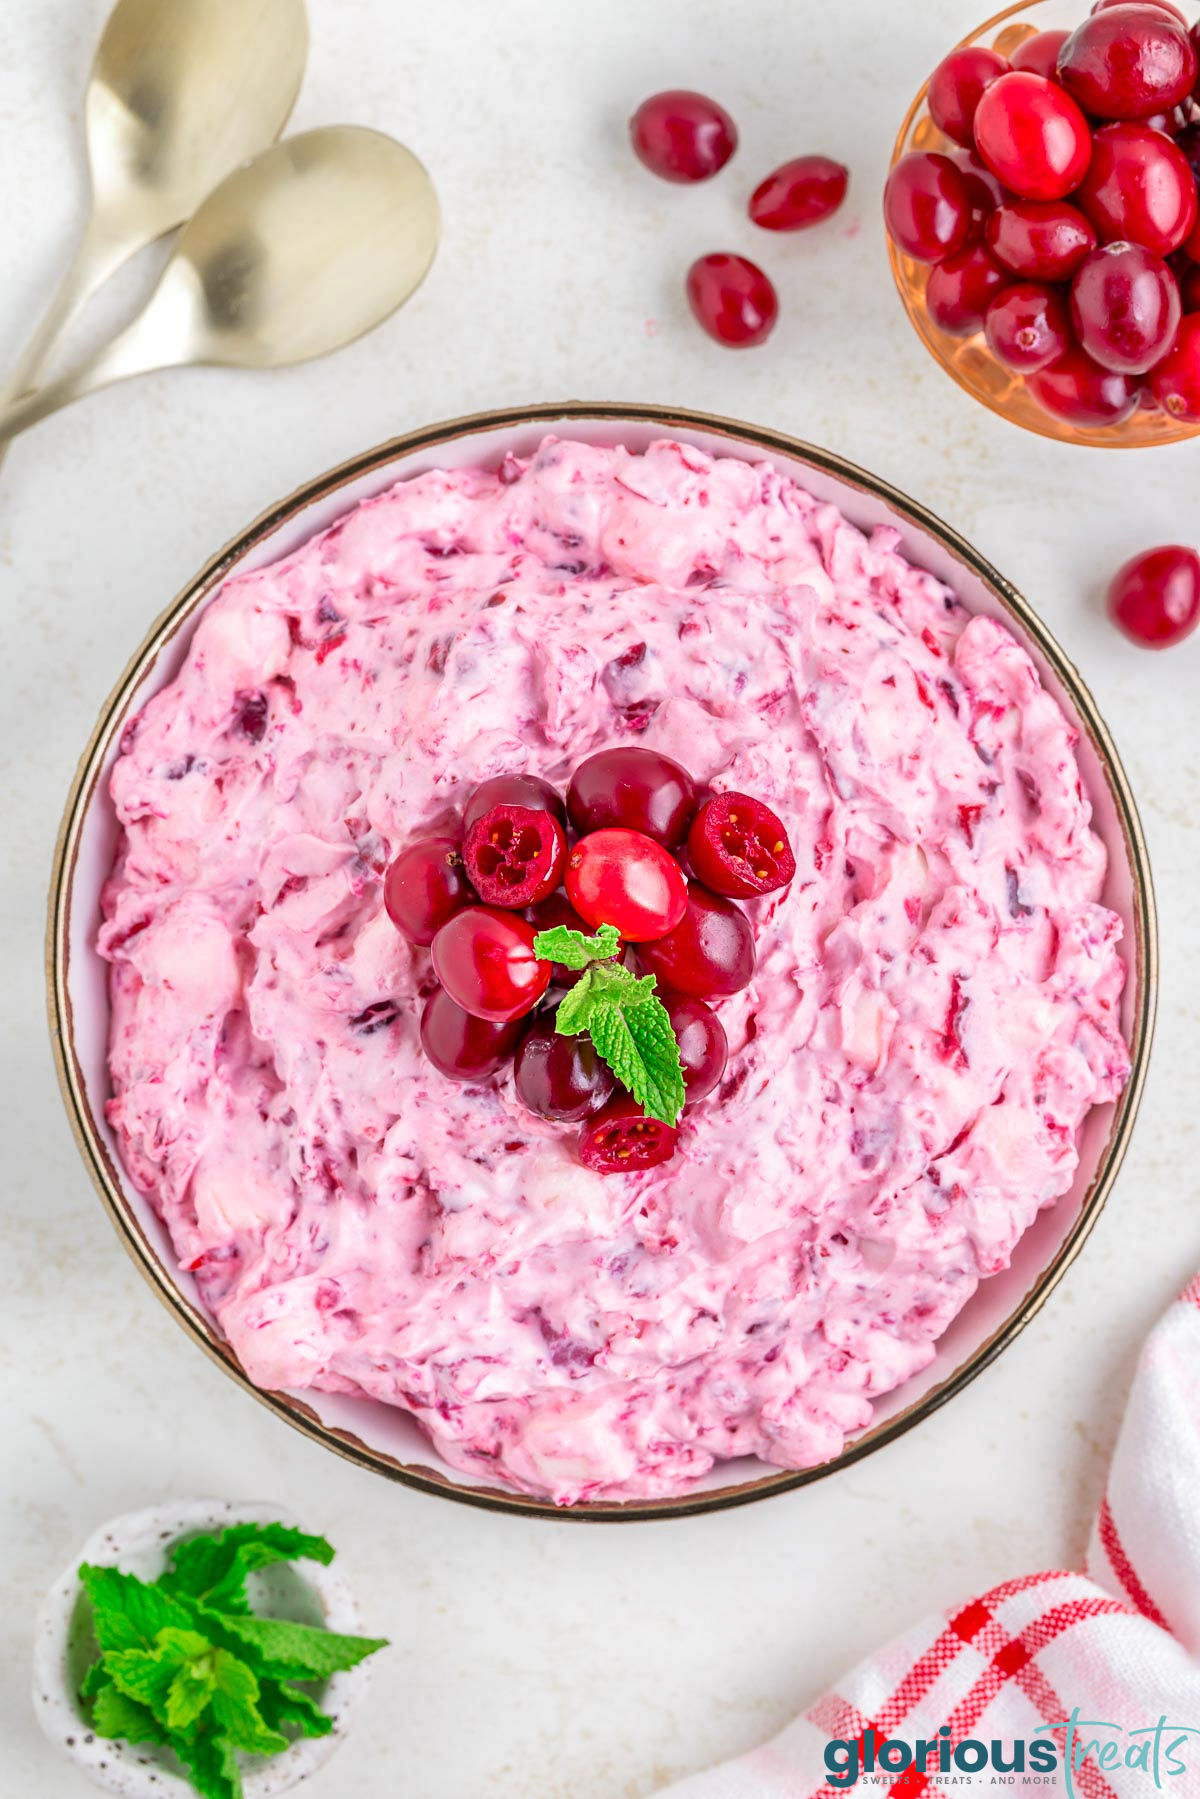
(968, 359)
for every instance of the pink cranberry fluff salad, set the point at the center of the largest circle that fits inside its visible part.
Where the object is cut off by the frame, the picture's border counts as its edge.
(931, 1013)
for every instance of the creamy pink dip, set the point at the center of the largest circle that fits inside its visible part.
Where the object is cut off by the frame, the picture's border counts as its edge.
(934, 1010)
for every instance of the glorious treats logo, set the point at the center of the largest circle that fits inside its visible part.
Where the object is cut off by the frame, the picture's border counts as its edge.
(1059, 1756)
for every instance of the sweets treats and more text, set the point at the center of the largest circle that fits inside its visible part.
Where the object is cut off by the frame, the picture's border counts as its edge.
(864, 882)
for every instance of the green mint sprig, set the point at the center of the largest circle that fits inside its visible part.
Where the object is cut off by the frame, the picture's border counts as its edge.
(184, 1662)
(628, 1025)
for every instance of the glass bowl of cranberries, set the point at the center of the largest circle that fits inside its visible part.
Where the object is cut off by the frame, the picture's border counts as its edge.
(1041, 212)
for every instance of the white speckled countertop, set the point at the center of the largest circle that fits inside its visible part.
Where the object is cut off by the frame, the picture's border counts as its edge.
(553, 1663)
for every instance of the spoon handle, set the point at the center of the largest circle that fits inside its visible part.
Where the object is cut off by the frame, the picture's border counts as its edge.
(124, 356)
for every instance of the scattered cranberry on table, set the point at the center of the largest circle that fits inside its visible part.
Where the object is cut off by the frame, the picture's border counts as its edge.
(683, 136)
(1155, 597)
(732, 299)
(803, 192)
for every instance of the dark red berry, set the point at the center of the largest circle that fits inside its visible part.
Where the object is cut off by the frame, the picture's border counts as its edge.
(1028, 326)
(957, 86)
(683, 136)
(1139, 189)
(801, 193)
(1078, 390)
(560, 1077)
(486, 962)
(1175, 383)
(515, 857)
(250, 713)
(738, 847)
(1162, 5)
(514, 790)
(709, 953)
(625, 879)
(1032, 136)
(984, 190)
(1155, 598)
(639, 790)
(732, 299)
(1128, 62)
(426, 885)
(703, 1045)
(1038, 55)
(622, 1140)
(1044, 240)
(962, 287)
(460, 1046)
(1125, 307)
(927, 206)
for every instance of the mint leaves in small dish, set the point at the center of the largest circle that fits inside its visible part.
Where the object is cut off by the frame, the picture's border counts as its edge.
(186, 1663)
(627, 1023)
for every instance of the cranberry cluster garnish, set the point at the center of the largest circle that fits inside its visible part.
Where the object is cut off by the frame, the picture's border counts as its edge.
(612, 1039)
(1078, 262)
(686, 137)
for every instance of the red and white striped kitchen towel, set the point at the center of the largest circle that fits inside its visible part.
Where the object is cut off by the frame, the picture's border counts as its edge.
(1111, 1656)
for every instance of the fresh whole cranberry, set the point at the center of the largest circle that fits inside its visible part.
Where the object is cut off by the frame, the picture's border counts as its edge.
(683, 136)
(984, 190)
(703, 1045)
(802, 192)
(1032, 136)
(625, 879)
(1155, 598)
(738, 847)
(1078, 390)
(1125, 308)
(962, 287)
(1175, 383)
(1128, 62)
(1028, 326)
(622, 1140)
(1161, 5)
(927, 206)
(560, 1077)
(461, 1046)
(514, 790)
(1139, 189)
(514, 857)
(1188, 142)
(641, 790)
(485, 960)
(709, 953)
(1044, 240)
(957, 86)
(425, 885)
(1038, 55)
(732, 299)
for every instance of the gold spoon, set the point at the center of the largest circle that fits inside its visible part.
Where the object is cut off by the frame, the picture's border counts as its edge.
(313, 243)
(181, 92)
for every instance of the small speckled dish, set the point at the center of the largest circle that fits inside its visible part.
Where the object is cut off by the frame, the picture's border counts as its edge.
(386, 1438)
(137, 1543)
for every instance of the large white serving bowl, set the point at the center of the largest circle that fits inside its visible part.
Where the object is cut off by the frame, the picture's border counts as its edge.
(386, 1439)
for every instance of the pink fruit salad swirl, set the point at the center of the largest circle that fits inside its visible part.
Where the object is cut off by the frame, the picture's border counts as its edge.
(934, 1009)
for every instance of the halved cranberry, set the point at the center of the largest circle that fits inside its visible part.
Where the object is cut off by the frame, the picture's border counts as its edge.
(639, 790)
(1155, 598)
(732, 299)
(514, 790)
(1028, 326)
(514, 857)
(738, 847)
(1038, 55)
(1139, 188)
(625, 879)
(703, 1045)
(461, 1046)
(1044, 240)
(802, 192)
(1032, 136)
(1125, 307)
(622, 1140)
(683, 136)
(1127, 62)
(1175, 383)
(957, 86)
(1078, 390)
(561, 1078)
(486, 961)
(709, 953)
(962, 287)
(426, 885)
(927, 206)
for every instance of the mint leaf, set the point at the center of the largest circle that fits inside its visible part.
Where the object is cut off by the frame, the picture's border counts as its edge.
(573, 949)
(148, 1675)
(277, 1649)
(116, 1715)
(190, 1692)
(94, 1681)
(282, 1705)
(631, 1029)
(235, 1709)
(575, 1008)
(214, 1566)
(126, 1613)
(212, 1766)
